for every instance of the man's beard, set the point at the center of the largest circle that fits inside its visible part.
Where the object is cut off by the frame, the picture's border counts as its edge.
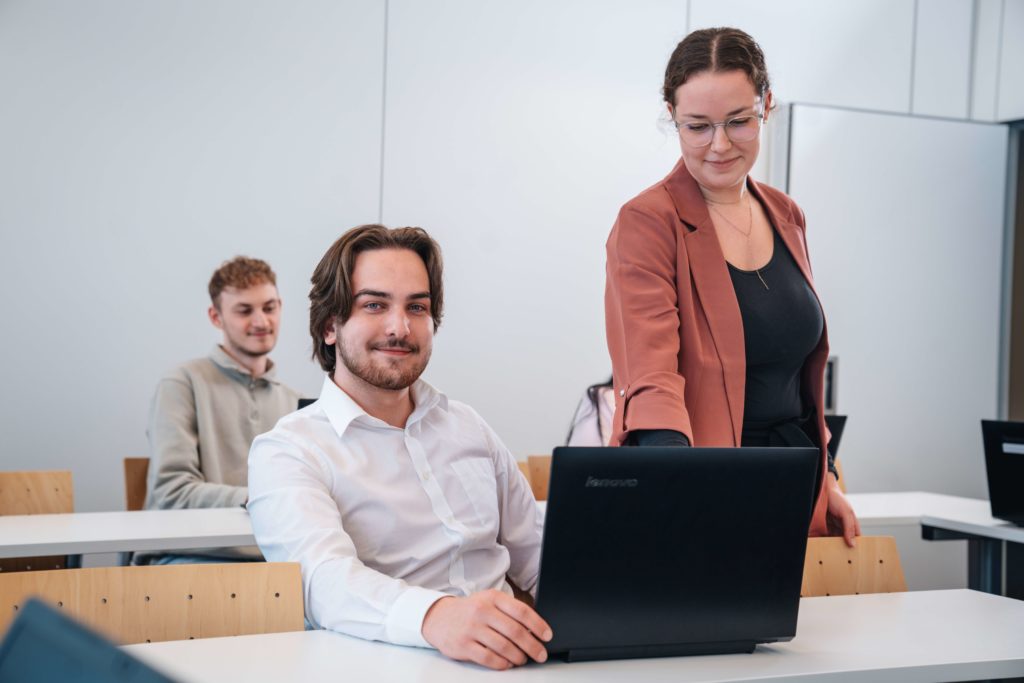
(384, 376)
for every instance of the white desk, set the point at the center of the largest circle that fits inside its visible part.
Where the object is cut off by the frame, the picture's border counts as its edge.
(81, 533)
(986, 539)
(921, 636)
(906, 508)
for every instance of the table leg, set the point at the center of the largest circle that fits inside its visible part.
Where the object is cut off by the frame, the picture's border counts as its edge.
(984, 558)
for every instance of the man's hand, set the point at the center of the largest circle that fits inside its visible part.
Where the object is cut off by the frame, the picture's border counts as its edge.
(840, 517)
(489, 628)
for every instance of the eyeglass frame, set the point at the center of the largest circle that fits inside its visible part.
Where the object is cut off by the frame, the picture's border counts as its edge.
(758, 110)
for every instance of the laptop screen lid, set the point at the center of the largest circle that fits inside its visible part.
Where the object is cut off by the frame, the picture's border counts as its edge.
(1004, 466)
(44, 645)
(664, 551)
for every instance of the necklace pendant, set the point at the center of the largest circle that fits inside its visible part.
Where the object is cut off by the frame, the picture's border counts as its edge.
(758, 271)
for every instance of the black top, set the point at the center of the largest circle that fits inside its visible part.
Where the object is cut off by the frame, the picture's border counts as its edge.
(782, 324)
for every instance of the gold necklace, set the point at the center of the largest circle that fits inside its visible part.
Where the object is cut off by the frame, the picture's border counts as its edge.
(750, 230)
(750, 219)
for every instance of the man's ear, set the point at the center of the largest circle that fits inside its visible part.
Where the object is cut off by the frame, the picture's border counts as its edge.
(330, 333)
(215, 318)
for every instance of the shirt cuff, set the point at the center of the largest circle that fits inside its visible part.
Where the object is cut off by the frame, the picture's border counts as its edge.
(404, 624)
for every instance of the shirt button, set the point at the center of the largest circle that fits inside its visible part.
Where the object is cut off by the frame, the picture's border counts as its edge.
(426, 476)
(622, 392)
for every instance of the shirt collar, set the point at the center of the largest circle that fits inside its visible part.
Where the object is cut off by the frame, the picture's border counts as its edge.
(342, 410)
(233, 369)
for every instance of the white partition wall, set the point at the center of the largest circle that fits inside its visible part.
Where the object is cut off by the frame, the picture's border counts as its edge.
(847, 53)
(514, 133)
(142, 144)
(905, 227)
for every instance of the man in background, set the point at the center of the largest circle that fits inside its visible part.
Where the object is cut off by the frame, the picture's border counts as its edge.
(206, 413)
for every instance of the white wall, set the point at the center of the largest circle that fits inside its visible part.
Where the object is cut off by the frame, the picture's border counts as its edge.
(514, 132)
(905, 231)
(143, 143)
(140, 145)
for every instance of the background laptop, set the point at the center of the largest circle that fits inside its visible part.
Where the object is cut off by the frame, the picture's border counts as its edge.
(659, 552)
(42, 646)
(1004, 464)
(836, 424)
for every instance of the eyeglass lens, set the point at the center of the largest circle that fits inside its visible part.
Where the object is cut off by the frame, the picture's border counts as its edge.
(701, 133)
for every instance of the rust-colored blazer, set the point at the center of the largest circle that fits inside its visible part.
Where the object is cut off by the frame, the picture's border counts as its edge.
(675, 333)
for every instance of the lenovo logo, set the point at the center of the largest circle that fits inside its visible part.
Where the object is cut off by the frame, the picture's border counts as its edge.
(611, 483)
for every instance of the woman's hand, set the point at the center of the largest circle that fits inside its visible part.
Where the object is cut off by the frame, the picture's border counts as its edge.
(840, 516)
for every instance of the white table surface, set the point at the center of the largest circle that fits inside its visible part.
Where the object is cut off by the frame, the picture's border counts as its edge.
(907, 507)
(980, 524)
(910, 507)
(922, 636)
(81, 533)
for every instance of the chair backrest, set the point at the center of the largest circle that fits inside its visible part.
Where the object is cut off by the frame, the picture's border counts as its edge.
(35, 493)
(167, 602)
(832, 568)
(540, 475)
(524, 467)
(135, 472)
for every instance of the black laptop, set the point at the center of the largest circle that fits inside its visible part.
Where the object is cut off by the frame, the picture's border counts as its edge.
(836, 424)
(653, 552)
(43, 645)
(1004, 463)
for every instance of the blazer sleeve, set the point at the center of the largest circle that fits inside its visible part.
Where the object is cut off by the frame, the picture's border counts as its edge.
(642, 324)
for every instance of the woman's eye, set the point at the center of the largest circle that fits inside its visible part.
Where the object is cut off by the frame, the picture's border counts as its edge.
(696, 127)
(741, 122)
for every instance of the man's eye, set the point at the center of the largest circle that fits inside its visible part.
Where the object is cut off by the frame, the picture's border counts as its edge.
(418, 308)
(374, 306)
(696, 127)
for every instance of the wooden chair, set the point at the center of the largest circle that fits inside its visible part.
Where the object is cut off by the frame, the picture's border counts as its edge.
(831, 568)
(524, 467)
(135, 472)
(167, 602)
(540, 475)
(35, 493)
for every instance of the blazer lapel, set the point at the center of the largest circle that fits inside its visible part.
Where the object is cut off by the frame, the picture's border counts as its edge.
(790, 233)
(714, 287)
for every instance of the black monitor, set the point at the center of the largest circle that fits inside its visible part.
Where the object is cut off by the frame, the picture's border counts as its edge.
(1004, 465)
(666, 551)
(43, 645)
(836, 424)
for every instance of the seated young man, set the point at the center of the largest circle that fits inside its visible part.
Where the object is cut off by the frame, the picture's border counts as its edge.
(205, 413)
(408, 515)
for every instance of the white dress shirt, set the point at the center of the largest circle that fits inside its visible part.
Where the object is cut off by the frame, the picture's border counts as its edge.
(386, 521)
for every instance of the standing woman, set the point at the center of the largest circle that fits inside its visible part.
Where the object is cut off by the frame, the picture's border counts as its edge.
(716, 334)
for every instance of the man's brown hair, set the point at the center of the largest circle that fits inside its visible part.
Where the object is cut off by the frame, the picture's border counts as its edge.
(331, 294)
(240, 272)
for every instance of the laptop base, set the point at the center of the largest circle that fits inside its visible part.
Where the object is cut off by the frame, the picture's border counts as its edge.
(670, 650)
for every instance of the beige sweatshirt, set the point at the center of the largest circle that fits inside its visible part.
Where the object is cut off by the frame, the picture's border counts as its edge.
(203, 418)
